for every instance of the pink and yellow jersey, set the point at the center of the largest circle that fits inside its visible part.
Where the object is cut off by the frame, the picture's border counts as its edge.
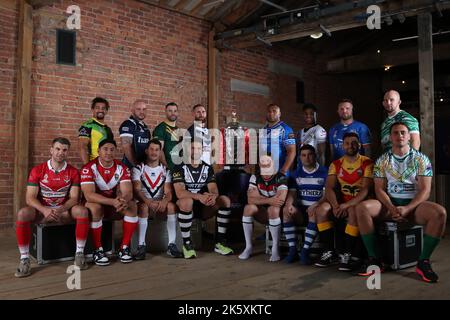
(54, 186)
(106, 180)
(350, 175)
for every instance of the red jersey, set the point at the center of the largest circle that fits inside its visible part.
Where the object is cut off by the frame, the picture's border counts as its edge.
(106, 180)
(54, 186)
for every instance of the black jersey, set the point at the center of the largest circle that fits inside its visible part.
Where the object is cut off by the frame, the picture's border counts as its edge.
(195, 179)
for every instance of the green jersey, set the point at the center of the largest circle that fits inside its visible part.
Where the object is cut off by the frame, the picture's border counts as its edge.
(95, 131)
(401, 116)
(401, 174)
(169, 135)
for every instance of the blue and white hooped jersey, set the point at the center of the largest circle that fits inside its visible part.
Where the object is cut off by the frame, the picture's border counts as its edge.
(283, 136)
(310, 186)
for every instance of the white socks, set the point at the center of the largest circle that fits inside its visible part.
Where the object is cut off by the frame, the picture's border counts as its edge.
(247, 224)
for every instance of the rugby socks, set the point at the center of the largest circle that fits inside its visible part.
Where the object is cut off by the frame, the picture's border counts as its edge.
(247, 225)
(185, 221)
(223, 219)
(326, 233)
(129, 226)
(351, 236)
(290, 233)
(429, 244)
(310, 235)
(275, 228)
(142, 230)
(369, 242)
(81, 233)
(96, 231)
(23, 234)
(172, 227)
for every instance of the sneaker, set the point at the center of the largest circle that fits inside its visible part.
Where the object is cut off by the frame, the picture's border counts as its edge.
(188, 251)
(100, 258)
(304, 258)
(24, 269)
(424, 270)
(80, 261)
(125, 255)
(292, 255)
(345, 262)
(140, 253)
(172, 250)
(328, 258)
(363, 269)
(223, 249)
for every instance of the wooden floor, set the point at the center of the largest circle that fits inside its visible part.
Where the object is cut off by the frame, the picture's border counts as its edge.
(211, 276)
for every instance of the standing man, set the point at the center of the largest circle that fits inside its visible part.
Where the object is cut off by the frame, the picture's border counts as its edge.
(403, 179)
(52, 195)
(312, 134)
(153, 188)
(348, 124)
(167, 133)
(198, 196)
(306, 193)
(391, 104)
(135, 135)
(93, 131)
(352, 175)
(106, 185)
(199, 131)
(279, 133)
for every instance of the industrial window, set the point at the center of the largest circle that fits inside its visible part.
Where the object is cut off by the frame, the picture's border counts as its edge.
(65, 47)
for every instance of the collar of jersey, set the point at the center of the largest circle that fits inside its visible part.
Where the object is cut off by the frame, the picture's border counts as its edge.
(142, 123)
(314, 170)
(49, 164)
(95, 120)
(358, 160)
(98, 161)
(279, 123)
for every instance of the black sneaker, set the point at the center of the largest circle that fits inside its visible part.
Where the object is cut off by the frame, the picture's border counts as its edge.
(363, 269)
(172, 250)
(345, 262)
(100, 258)
(424, 270)
(125, 255)
(328, 258)
(140, 253)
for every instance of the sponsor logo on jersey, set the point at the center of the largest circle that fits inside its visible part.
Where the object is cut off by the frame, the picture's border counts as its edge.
(45, 180)
(311, 193)
(85, 171)
(126, 129)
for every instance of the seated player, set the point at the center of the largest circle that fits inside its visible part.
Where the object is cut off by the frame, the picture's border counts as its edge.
(266, 195)
(352, 173)
(52, 196)
(153, 188)
(198, 196)
(107, 188)
(306, 193)
(402, 178)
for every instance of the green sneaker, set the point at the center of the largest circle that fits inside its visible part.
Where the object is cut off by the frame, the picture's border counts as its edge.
(188, 251)
(222, 249)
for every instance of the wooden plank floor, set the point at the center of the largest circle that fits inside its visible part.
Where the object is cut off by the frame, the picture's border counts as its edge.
(211, 276)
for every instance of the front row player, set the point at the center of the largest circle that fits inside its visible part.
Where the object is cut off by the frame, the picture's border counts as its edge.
(402, 178)
(52, 196)
(107, 188)
(153, 188)
(198, 195)
(266, 194)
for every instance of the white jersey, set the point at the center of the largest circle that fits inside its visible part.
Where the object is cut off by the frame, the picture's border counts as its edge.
(152, 180)
(312, 136)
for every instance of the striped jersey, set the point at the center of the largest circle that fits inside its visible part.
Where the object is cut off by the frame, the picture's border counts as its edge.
(268, 188)
(401, 174)
(401, 116)
(195, 179)
(309, 185)
(152, 180)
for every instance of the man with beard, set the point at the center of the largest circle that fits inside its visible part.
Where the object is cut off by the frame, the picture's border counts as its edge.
(352, 173)
(279, 133)
(348, 124)
(167, 133)
(199, 132)
(312, 134)
(135, 135)
(391, 103)
(403, 179)
(93, 131)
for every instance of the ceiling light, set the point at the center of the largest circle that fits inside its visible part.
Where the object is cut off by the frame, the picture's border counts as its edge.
(316, 35)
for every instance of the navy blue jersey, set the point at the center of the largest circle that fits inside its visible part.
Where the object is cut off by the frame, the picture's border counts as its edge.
(337, 134)
(283, 136)
(309, 185)
(140, 133)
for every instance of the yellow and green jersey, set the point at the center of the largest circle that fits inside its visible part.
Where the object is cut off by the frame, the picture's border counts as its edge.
(169, 135)
(95, 131)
